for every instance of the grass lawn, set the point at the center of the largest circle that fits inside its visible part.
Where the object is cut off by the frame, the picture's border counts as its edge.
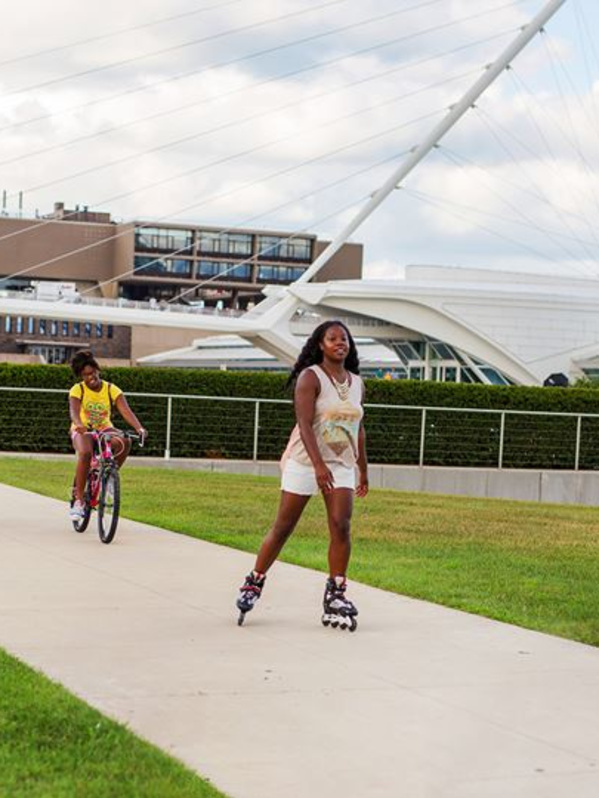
(54, 746)
(534, 565)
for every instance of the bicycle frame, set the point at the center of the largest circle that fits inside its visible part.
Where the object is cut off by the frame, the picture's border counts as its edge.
(102, 457)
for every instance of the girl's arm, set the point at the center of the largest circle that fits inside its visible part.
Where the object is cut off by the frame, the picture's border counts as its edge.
(306, 392)
(75, 413)
(123, 407)
(362, 488)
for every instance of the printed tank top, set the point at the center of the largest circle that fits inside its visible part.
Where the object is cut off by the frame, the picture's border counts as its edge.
(336, 424)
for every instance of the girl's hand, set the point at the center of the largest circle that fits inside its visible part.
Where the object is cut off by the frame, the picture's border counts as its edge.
(362, 488)
(324, 478)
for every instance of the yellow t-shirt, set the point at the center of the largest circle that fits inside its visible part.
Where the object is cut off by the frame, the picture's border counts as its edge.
(95, 405)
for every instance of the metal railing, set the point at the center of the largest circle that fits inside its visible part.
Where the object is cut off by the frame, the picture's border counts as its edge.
(250, 428)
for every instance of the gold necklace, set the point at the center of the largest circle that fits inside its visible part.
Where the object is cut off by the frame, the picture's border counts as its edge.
(342, 388)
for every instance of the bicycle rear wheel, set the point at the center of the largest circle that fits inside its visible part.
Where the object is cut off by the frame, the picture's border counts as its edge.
(109, 504)
(81, 524)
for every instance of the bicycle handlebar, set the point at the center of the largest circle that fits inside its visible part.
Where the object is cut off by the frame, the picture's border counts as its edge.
(114, 433)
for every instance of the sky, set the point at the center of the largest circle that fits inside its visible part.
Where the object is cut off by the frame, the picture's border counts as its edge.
(289, 114)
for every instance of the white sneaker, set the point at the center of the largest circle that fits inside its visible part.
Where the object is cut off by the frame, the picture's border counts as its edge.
(77, 510)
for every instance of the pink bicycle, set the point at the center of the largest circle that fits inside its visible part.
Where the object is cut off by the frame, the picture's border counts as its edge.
(103, 487)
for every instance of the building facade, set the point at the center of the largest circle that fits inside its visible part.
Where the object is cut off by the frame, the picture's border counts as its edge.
(145, 262)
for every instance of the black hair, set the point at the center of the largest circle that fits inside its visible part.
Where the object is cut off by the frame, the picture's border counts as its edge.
(81, 359)
(311, 353)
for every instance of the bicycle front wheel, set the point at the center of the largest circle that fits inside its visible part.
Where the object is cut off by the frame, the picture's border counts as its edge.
(109, 504)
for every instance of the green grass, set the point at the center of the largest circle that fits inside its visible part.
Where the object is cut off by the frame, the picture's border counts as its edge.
(534, 565)
(54, 746)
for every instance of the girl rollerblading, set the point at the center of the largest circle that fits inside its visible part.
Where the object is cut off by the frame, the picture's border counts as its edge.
(326, 454)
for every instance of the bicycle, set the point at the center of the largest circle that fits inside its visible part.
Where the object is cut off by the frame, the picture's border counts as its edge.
(103, 487)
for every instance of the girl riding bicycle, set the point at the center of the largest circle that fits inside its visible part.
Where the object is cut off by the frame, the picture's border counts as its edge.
(90, 406)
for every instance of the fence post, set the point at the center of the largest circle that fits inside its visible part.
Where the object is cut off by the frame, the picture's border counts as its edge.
(169, 416)
(256, 428)
(422, 437)
(578, 436)
(501, 440)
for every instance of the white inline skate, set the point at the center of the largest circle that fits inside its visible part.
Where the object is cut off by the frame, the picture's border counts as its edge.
(338, 610)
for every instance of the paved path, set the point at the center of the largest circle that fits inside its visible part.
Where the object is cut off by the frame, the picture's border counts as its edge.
(421, 702)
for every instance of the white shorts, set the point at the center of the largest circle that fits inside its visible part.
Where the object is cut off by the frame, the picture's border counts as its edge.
(301, 479)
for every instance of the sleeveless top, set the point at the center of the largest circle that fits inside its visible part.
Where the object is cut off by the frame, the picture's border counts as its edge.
(336, 424)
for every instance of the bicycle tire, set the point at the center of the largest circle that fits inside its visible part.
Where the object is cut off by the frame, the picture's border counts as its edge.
(109, 504)
(82, 524)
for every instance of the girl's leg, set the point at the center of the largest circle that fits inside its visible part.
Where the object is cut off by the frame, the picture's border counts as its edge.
(290, 510)
(83, 446)
(120, 449)
(339, 504)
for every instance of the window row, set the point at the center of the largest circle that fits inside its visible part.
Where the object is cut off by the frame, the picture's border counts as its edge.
(64, 329)
(177, 267)
(181, 242)
(229, 270)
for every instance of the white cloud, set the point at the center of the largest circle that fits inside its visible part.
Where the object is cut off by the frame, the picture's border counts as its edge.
(260, 138)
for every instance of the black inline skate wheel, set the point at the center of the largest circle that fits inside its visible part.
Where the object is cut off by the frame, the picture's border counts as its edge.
(353, 625)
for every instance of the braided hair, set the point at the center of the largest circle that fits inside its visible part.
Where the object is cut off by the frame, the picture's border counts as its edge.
(311, 353)
(81, 359)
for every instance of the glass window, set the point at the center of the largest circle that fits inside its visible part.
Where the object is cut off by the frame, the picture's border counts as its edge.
(42, 327)
(19, 325)
(7, 324)
(53, 327)
(241, 272)
(213, 268)
(416, 373)
(109, 331)
(277, 248)
(468, 375)
(87, 329)
(30, 325)
(76, 328)
(266, 273)
(65, 329)
(442, 351)
(159, 239)
(419, 348)
(161, 266)
(277, 274)
(494, 377)
(99, 330)
(224, 243)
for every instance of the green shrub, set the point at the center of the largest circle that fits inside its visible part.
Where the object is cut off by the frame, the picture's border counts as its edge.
(203, 427)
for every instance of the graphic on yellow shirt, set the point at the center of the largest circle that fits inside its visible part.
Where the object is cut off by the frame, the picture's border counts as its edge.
(96, 405)
(340, 428)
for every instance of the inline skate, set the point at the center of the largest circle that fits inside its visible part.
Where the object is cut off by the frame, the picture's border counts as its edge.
(338, 610)
(249, 593)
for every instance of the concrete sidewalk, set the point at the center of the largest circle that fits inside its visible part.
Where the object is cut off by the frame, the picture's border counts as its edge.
(421, 702)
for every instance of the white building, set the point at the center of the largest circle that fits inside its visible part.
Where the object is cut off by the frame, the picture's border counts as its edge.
(441, 323)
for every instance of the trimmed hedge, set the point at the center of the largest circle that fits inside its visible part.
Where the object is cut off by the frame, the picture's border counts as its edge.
(204, 428)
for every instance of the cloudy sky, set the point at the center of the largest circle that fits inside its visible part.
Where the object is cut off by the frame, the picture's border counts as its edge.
(288, 114)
